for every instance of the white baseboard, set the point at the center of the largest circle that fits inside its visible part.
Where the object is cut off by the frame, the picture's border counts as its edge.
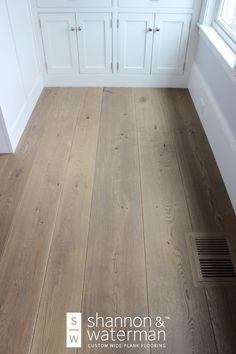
(220, 137)
(85, 80)
(17, 130)
(5, 145)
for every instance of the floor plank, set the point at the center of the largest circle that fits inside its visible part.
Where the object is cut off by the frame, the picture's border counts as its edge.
(16, 168)
(208, 204)
(3, 160)
(63, 285)
(115, 277)
(166, 219)
(116, 248)
(26, 252)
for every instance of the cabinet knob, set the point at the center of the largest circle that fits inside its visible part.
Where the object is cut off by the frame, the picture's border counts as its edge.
(150, 30)
(72, 29)
(79, 28)
(157, 29)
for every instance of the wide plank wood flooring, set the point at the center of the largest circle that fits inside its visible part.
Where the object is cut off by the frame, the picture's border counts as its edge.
(94, 206)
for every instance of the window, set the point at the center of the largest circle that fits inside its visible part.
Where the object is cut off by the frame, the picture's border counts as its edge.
(225, 22)
(228, 14)
(218, 27)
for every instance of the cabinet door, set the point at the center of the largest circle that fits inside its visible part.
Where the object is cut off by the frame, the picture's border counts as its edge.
(75, 3)
(60, 46)
(170, 43)
(94, 42)
(186, 4)
(135, 36)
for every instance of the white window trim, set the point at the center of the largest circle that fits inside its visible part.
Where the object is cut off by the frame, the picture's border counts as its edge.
(219, 27)
(223, 29)
(209, 11)
(215, 37)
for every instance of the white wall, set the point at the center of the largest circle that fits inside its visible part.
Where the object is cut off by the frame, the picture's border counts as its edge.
(21, 82)
(219, 83)
(214, 95)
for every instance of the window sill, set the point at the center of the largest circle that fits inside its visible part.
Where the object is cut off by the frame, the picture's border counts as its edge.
(220, 49)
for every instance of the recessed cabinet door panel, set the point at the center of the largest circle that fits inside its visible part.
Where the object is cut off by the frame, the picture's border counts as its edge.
(157, 3)
(94, 42)
(170, 43)
(135, 43)
(60, 46)
(74, 3)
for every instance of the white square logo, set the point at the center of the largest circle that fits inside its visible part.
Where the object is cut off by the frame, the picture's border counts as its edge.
(73, 330)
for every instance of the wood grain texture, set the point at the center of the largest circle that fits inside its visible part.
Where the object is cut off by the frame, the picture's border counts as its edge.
(166, 219)
(208, 204)
(115, 277)
(3, 161)
(17, 167)
(26, 252)
(63, 285)
(93, 210)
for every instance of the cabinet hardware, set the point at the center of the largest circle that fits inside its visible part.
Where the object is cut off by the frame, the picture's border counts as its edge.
(157, 29)
(150, 29)
(79, 28)
(118, 23)
(40, 24)
(72, 29)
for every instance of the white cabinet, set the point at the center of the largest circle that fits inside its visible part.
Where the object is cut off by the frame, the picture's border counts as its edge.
(153, 44)
(90, 47)
(157, 3)
(72, 39)
(170, 43)
(74, 3)
(60, 46)
(94, 33)
(135, 43)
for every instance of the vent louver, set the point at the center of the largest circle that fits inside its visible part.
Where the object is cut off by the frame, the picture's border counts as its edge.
(211, 259)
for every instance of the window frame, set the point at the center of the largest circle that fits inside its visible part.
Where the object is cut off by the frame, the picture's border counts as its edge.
(221, 27)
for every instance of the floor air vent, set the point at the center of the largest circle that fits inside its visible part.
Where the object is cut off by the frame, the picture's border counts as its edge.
(211, 259)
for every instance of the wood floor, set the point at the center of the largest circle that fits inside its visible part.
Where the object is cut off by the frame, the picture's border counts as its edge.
(94, 207)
